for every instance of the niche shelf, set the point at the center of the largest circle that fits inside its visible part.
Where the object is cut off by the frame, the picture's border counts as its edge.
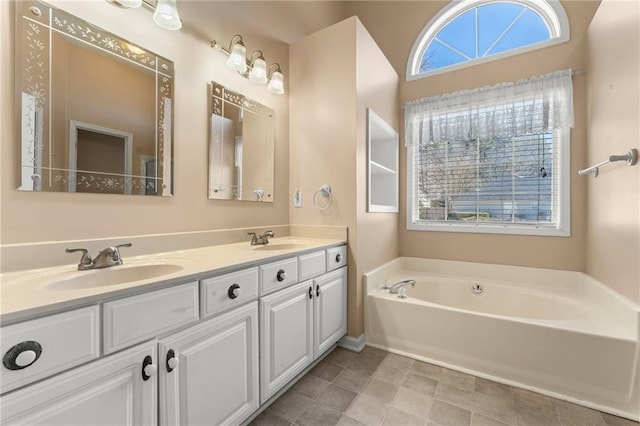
(382, 165)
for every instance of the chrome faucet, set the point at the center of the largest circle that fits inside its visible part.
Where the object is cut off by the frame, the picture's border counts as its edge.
(106, 258)
(397, 286)
(262, 239)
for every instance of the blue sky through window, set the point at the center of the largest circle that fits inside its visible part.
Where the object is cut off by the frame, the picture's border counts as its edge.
(483, 31)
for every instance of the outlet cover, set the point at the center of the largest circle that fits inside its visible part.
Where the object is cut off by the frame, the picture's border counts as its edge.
(297, 199)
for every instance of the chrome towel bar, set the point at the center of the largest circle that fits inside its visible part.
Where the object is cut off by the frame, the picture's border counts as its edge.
(630, 157)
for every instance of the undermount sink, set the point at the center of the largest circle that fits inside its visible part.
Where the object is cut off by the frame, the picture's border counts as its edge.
(110, 276)
(280, 246)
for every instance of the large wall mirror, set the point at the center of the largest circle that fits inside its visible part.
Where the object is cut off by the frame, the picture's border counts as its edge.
(241, 147)
(94, 111)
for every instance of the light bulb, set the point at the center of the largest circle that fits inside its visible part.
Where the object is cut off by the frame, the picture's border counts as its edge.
(166, 15)
(258, 73)
(238, 58)
(276, 85)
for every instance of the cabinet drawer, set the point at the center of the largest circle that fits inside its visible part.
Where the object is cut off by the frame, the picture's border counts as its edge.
(276, 275)
(62, 341)
(336, 257)
(311, 265)
(134, 319)
(221, 293)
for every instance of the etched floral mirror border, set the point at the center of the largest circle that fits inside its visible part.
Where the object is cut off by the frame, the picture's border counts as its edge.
(35, 21)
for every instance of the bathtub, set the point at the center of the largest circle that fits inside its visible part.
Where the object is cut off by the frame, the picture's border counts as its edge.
(559, 333)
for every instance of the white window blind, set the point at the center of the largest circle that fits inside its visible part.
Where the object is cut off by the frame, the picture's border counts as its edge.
(493, 159)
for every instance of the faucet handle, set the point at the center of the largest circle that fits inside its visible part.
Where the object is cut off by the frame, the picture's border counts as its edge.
(116, 252)
(85, 260)
(123, 245)
(254, 238)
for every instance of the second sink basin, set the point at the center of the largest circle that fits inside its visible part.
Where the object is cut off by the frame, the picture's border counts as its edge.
(110, 276)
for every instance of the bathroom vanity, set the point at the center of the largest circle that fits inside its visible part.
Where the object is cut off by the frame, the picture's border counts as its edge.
(206, 344)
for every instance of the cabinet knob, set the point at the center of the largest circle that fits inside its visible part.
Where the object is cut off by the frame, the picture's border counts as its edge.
(338, 258)
(148, 368)
(234, 291)
(317, 290)
(22, 355)
(310, 292)
(172, 360)
(281, 275)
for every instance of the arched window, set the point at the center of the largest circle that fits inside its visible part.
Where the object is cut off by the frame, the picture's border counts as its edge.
(467, 32)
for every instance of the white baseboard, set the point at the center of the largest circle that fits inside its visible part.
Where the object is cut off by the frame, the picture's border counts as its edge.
(352, 343)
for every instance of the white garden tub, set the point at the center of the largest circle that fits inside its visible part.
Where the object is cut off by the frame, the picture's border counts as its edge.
(556, 332)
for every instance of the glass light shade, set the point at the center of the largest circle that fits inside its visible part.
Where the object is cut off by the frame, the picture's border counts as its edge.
(132, 4)
(276, 85)
(238, 58)
(258, 73)
(166, 15)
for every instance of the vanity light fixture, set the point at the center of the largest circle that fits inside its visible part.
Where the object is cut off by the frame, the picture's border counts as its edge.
(255, 68)
(165, 11)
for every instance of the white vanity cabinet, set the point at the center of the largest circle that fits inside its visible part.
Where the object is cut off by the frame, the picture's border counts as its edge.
(299, 323)
(109, 391)
(209, 372)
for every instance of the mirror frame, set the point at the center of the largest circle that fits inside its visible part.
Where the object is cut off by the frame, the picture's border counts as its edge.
(36, 24)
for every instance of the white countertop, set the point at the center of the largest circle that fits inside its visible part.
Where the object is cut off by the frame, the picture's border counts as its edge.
(30, 293)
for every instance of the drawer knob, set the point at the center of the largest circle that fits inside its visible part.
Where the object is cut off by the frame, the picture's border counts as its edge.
(338, 258)
(148, 368)
(281, 275)
(22, 355)
(234, 291)
(172, 361)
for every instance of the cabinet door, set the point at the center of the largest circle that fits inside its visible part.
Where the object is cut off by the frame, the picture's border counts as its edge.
(110, 391)
(211, 375)
(286, 331)
(330, 310)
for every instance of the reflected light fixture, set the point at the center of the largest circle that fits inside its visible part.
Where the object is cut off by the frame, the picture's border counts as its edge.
(165, 11)
(255, 69)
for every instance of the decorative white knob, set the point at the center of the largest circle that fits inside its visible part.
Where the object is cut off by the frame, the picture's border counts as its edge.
(173, 362)
(150, 370)
(237, 291)
(25, 358)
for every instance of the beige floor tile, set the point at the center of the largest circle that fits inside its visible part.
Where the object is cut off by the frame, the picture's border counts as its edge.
(383, 391)
(374, 353)
(390, 373)
(318, 415)
(577, 413)
(367, 410)
(365, 364)
(348, 421)
(449, 415)
(492, 388)
(527, 399)
(396, 417)
(341, 357)
(413, 402)
(351, 379)
(421, 384)
(310, 386)
(612, 420)
(495, 407)
(267, 418)
(478, 419)
(458, 379)
(336, 397)
(398, 361)
(531, 417)
(459, 397)
(326, 370)
(428, 370)
(290, 406)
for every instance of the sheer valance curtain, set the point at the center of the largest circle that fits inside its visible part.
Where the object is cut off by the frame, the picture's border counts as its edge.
(535, 105)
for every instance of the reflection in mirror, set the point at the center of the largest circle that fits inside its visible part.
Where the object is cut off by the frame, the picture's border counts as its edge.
(95, 110)
(241, 147)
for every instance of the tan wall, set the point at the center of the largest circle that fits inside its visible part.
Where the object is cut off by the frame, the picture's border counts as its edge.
(613, 209)
(336, 73)
(395, 26)
(28, 217)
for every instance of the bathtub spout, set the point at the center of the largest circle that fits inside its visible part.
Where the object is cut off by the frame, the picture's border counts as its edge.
(397, 286)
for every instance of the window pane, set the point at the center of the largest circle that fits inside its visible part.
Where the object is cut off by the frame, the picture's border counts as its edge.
(493, 19)
(438, 56)
(529, 29)
(430, 170)
(461, 33)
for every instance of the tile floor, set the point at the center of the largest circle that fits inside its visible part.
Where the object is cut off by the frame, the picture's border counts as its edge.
(375, 387)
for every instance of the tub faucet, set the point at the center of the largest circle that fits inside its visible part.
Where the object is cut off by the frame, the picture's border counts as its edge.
(397, 286)
(262, 239)
(107, 257)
